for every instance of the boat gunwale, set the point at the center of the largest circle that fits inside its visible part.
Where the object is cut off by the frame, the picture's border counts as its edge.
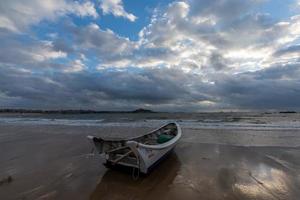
(137, 137)
(158, 146)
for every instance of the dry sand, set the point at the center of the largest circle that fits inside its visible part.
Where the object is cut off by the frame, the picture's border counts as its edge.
(55, 162)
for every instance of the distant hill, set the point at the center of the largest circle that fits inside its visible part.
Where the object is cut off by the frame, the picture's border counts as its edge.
(288, 112)
(141, 110)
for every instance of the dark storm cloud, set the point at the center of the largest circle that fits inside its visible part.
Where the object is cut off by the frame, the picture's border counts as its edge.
(273, 88)
(217, 62)
(153, 86)
(225, 10)
(62, 45)
(146, 86)
(277, 87)
(279, 72)
(288, 50)
(11, 49)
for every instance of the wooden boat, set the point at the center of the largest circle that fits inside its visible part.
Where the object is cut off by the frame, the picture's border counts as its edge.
(141, 152)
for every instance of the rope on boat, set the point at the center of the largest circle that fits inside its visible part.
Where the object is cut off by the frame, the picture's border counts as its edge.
(135, 176)
(121, 157)
(93, 150)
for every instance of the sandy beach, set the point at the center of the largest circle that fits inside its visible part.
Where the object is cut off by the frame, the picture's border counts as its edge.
(57, 162)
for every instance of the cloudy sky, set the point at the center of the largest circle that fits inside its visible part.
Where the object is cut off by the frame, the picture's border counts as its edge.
(189, 55)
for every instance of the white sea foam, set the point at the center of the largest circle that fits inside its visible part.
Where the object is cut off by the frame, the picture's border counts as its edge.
(46, 121)
(186, 123)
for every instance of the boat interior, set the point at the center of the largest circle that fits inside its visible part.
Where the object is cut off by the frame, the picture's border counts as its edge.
(118, 153)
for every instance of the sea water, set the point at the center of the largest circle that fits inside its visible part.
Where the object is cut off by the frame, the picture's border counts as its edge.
(239, 120)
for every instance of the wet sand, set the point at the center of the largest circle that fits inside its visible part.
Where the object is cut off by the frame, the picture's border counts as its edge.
(55, 162)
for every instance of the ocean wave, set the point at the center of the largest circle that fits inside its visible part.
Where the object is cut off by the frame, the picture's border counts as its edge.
(186, 123)
(46, 121)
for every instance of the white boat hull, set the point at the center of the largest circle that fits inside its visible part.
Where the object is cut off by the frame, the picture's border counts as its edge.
(149, 157)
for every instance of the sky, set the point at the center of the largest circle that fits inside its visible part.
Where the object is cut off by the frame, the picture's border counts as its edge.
(189, 55)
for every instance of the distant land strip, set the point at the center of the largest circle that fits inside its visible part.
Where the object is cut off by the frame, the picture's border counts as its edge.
(140, 110)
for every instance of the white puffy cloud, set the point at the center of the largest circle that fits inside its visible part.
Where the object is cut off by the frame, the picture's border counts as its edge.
(82, 9)
(116, 8)
(217, 35)
(17, 15)
(107, 46)
(30, 54)
(45, 52)
(75, 66)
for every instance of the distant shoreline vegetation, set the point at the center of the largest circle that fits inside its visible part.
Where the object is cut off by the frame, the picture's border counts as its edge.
(287, 112)
(140, 110)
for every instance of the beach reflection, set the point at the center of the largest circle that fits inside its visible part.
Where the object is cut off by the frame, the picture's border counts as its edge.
(264, 182)
(119, 185)
(206, 171)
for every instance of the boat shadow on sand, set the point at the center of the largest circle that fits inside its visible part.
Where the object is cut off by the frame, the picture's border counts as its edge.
(116, 184)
